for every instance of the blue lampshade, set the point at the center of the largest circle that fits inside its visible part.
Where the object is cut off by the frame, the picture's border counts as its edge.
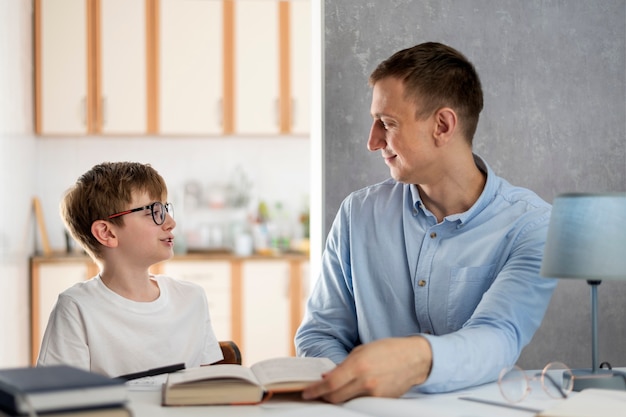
(587, 240)
(587, 237)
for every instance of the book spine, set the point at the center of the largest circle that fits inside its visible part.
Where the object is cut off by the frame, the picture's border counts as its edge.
(8, 400)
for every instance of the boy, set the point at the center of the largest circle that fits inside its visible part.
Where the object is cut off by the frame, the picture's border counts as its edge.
(125, 320)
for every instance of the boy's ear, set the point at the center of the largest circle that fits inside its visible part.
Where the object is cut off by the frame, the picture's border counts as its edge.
(104, 233)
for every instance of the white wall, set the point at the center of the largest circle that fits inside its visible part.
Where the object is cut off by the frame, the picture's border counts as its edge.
(17, 177)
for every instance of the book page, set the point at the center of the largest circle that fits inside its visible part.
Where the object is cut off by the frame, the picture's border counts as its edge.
(148, 383)
(204, 373)
(291, 369)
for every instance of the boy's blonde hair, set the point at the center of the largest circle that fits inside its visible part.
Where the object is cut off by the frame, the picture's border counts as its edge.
(104, 190)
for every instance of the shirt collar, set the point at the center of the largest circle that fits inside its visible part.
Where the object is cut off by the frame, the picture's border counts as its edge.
(483, 200)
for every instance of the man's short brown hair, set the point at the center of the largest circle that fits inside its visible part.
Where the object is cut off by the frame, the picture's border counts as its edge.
(435, 76)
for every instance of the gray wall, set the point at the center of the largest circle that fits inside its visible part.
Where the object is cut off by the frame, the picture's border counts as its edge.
(554, 78)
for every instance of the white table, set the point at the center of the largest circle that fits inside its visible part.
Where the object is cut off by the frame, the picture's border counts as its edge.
(148, 404)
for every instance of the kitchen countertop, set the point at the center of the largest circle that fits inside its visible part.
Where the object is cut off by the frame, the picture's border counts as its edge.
(190, 256)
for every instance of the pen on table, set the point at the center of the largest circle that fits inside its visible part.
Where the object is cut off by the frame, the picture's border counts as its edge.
(500, 404)
(153, 372)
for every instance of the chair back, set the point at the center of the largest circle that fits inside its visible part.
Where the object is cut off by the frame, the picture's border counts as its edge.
(230, 351)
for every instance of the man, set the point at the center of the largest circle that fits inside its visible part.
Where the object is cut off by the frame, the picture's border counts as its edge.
(430, 280)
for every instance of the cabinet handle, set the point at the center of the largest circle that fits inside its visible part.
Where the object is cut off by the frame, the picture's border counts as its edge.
(293, 112)
(220, 112)
(103, 103)
(82, 111)
(277, 112)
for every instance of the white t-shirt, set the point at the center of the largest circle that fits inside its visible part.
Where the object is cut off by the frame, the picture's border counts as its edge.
(94, 328)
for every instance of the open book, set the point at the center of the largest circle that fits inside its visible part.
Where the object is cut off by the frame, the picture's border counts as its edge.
(236, 384)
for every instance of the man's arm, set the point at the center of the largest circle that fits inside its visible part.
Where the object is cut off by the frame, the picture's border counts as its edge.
(329, 328)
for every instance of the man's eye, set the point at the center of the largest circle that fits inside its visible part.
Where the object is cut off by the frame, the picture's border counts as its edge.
(383, 124)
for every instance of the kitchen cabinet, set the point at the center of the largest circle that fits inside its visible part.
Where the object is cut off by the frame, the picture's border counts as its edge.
(257, 301)
(171, 67)
(271, 83)
(61, 70)
(272, 298)
(121, 68)
(234, 67)
(300, 65)
(91, 67)
(265, 310)
(190, 79)
(47, 279)
(256, 67)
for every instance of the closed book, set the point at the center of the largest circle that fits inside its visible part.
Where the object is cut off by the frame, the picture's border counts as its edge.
(89, 412)
(237, 384)
(57, 387)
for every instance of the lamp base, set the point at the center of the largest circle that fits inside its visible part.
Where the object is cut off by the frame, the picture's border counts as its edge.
(602, 378)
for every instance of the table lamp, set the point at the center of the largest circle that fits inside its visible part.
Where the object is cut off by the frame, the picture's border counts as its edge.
(587, 240)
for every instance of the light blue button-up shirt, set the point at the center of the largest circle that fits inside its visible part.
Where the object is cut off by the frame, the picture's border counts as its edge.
(469, 284)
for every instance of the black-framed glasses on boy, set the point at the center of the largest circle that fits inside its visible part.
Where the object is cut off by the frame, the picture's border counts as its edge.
(158, 210)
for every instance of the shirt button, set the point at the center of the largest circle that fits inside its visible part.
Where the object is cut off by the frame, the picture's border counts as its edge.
(421, 283)
(433, 235)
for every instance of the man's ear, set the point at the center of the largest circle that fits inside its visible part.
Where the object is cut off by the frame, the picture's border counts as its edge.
(445, 125)
(104, 233)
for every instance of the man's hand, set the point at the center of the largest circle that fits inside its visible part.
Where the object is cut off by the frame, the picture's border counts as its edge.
(383, 368)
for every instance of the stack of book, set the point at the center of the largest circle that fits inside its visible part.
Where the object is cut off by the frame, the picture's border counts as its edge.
(61, 391)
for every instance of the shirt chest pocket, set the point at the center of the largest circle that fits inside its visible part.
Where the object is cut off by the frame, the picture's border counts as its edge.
(467, 286)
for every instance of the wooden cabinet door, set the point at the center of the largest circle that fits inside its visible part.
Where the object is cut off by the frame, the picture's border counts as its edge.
(122, 69)
(214, 277)
(91, 73)
(265, 310)
(61, 67)
(256, 67)
(260, 69)
(300, 56)
(48, 280)
(190, 67)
